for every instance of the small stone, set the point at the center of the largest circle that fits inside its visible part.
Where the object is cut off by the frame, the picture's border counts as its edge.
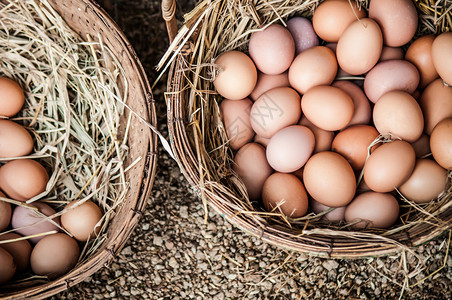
(183, 212)
(173, 263)
(330, 264)
(157, 241)
(127, 250)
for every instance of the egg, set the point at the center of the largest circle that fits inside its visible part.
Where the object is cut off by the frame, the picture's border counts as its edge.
(303, 33)
(372, 210)
(422, 146)
(54, 255)
(442, 60)
(436, 104)
(236, 75)
(274, 110)
(15, 139)
(398, 20)
(7, 266)
(312, 67)
(390, 53)
(20, 250)
(27, 221)
(426, 183)
(272, 49)
(286, 193)
(332, 17)
(235, 115)
(389, 166)
(290, 148)
(261, 140)
(353, 143)
(327, 107)
(267, 82)
(336, 215)
(12, 97)
(419, 53)
(329, 179)
(359, 48)
(81, 219)
(362, 110)
(441, 143)
(22, 179)
(398, 114)
(323, 138)
(5, 213)
(389, 76)
(250, 164)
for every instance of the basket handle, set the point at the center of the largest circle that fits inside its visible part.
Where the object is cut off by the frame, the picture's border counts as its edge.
(169, 15)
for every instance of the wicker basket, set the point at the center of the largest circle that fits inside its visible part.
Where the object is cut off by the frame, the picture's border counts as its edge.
(86, 17)
(224, 194)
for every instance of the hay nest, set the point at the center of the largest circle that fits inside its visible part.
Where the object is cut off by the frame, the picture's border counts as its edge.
(200, 145)
(89, 108)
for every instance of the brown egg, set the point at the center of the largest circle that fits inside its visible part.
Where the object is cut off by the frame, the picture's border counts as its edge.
(272, 49)
(250, 164)
(12, 97)
(398, 20)
(329, 179)
(15, 139)
(390, 53)
(389, 76)
(261, 140)
(362, 110)
(323, 138)
(20, 250)
(436, 104)
(389, 166)
(426, 183)
(303, 33)
(290, 148)
(353, 143)
(267, 82)
(398, 113)
(22, 179)
(332, 17)
(287, 192)
(336, 215)
(372, 210)
(27, 221)
(442, 60)
(441, 143)
(313, 67)
(235, 115)
(54, 255)
(81, 219)
(359, 47)
(236, 75)
(340, 73)
(274, 110)
(7, 266)
(421, 146)
(328, 107)
(5, 213)
(419, 53)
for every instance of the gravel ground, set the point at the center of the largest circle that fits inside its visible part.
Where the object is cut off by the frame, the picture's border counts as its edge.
(173, 254)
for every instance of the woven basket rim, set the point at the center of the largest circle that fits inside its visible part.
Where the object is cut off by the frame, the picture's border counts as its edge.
(80, 9)
(330, 246)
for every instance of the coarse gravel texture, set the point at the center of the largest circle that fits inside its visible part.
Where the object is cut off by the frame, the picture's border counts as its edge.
(173, 254)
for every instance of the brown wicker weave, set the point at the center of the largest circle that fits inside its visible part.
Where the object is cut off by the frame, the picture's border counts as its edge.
(224, 195)
(86, 17)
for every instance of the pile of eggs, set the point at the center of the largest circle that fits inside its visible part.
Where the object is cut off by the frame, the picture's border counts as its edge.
(334, 113)
(29, 240)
